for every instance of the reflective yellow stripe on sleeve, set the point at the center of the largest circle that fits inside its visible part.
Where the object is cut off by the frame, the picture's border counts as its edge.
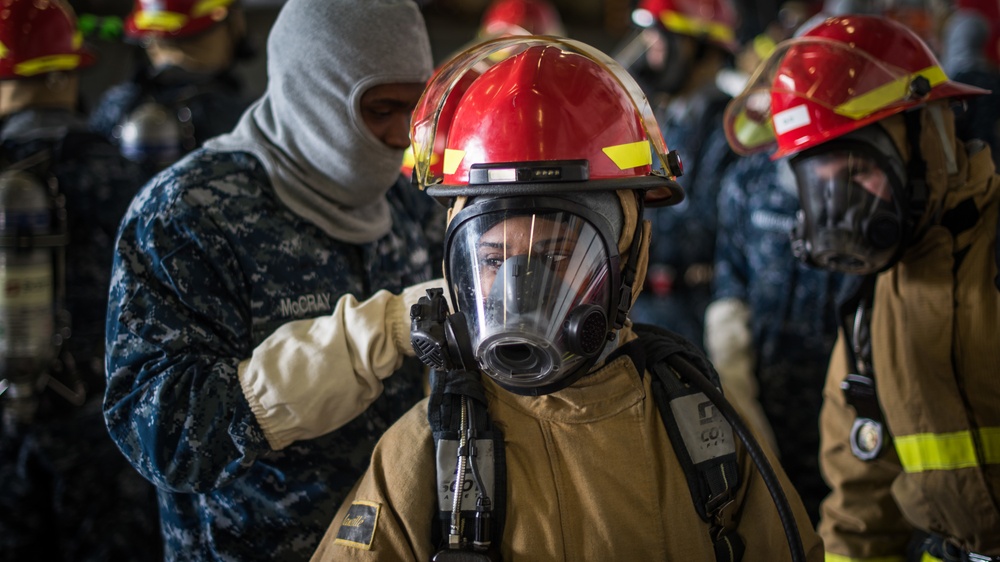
(3, 50)
(887, 94)
(679, 23)
(831, 557)
(947, 451)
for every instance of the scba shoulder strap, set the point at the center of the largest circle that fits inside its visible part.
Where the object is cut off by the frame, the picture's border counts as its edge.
(701, 437)
(470, 451)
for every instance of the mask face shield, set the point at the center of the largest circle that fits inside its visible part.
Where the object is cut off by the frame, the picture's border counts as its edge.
(850, 219)
(535, 284)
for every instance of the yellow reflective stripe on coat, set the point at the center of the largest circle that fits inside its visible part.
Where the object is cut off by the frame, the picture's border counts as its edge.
(928, 557)
(947, 451)
(160, 21)
(51, 63)
(630, 155)
(679, 23)
(3, 50)
(831, 557)
(887, 94)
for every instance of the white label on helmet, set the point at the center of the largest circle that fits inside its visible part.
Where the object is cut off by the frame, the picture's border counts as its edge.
(790, 119)
(496, 175)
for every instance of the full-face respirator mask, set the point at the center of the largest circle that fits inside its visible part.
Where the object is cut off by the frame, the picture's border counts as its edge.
(536, 285)
(851, 191)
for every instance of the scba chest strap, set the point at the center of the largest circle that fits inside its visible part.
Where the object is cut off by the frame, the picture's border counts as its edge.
(470, 454)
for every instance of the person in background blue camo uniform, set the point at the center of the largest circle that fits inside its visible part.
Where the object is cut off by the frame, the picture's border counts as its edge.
(964, 37)
(185, 90)
(66, 493)
(678, 51)
(772, 323)
(236, 383)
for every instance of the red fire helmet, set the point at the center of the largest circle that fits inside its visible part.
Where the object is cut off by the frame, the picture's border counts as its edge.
(174, 18)
(37, 37)
(715, 20)
(841, 75)
(520, 17)
(538, 115)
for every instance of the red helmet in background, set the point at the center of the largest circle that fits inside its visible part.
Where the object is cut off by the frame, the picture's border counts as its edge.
(174, 18)
(549, 112)
(714, 20)
(841, 75)
(37, 37)
(520, 17)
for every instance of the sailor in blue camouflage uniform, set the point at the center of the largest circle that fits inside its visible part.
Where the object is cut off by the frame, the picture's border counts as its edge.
(66, 493)
(772, 319)
(188, 72)
(235, 381)
(687, 44)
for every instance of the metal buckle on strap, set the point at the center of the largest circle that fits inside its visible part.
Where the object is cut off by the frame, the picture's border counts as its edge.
(715, 507)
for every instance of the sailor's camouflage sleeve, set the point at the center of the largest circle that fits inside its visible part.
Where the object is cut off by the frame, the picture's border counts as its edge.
(202, 265)
(730, 279)
(177, 327)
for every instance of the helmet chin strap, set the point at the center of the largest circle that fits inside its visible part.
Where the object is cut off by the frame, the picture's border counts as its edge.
(626, 293)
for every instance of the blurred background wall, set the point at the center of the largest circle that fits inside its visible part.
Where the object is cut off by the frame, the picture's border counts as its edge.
(451, 23)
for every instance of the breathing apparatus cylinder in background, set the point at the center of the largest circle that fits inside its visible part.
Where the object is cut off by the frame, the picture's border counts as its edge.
(154, 135)
(32, 254)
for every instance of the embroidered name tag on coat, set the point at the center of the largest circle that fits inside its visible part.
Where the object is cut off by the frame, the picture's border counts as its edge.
(358, 527)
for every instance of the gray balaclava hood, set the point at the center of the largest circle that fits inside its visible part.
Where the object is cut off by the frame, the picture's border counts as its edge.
(307, 128)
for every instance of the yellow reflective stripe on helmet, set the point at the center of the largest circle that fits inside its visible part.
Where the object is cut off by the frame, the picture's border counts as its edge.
(887, 94)
(947, 451)
(204, 7)
(409, 161)
(751, 133)
(160, 21)
(763, 46)
(679, 23)
(452, 158)
(3, 50)
(77, 39)
(630, 155)
(831, 557)
(51, 63)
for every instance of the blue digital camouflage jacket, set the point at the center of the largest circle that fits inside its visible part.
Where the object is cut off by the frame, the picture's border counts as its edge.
(66, 492)
(208, 264)
(793, 316)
